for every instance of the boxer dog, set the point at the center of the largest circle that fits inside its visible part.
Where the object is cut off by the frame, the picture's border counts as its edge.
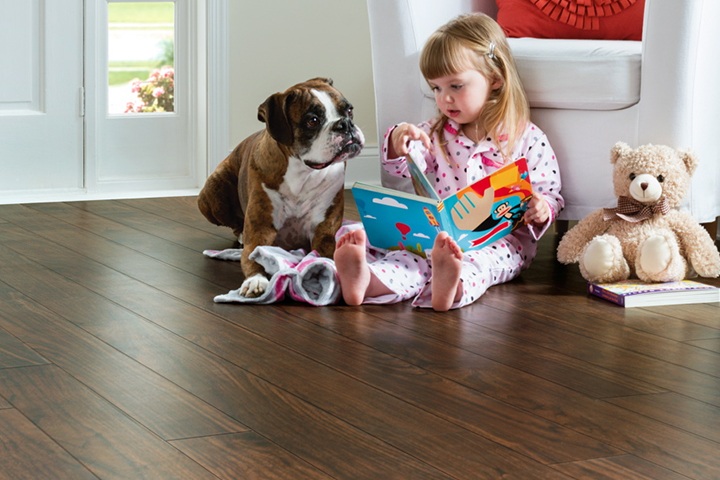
(284, 185)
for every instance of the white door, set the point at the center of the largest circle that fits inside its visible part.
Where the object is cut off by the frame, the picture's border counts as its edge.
(41, 75)
(156, 146)
(61, 138)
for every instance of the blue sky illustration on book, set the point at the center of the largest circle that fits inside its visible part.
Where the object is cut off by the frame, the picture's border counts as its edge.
(403, 223)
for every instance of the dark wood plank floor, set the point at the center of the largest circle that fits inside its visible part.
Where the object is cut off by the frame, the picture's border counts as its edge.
(116, 364)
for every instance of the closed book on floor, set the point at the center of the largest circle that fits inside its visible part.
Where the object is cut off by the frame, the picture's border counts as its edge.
(634, 293)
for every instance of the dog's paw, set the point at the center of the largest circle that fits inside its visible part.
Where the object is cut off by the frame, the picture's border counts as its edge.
(254, 286)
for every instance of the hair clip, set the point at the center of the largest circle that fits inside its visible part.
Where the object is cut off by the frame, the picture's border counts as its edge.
(491, 51)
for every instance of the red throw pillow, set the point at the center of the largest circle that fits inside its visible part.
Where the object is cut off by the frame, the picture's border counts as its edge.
(579, 19)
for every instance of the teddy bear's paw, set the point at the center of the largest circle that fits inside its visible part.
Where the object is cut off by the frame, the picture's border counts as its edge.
(603, 261)
(254, 286)
(706, 263)
(568, 251)
(659, 259)
(709, 270)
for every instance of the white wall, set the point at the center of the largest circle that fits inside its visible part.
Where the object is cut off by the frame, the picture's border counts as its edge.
(277, 43)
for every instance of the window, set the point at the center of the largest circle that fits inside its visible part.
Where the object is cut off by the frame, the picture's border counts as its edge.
(141, 63)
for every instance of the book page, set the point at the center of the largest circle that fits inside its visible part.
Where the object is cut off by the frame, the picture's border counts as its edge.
(490, 208)
(416, 164)
(397, 220)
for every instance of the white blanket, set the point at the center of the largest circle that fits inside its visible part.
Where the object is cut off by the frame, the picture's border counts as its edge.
(304, 277)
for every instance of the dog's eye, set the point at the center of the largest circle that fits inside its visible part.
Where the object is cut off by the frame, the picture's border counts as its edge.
(632, 176)
(349, 112)
(660, 178)
(312, 122)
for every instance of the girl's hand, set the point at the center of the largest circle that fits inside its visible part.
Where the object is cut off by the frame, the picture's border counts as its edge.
(402, 135)
(538, 211)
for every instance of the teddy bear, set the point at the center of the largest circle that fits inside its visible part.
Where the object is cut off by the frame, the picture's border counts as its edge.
(646, 235)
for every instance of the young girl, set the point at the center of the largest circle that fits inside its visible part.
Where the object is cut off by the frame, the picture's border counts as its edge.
(483, 124)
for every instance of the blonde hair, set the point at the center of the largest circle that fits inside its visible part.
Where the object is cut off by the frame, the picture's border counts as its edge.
(476, 41)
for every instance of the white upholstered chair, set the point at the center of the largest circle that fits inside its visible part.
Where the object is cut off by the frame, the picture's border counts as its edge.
(585, 94)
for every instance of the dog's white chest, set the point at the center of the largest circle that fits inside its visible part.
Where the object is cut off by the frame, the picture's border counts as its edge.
(302, 201)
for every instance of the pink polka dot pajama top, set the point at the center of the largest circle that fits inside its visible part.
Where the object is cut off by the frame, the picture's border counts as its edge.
(409, 275)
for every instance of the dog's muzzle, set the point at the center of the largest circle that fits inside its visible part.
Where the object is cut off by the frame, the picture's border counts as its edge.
(352, 140)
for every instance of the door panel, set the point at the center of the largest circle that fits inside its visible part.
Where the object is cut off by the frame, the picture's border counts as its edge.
(41, 75)
(143, 151)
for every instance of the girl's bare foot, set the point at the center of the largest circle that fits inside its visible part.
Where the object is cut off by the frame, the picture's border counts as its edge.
(352, 267)
(446, 269)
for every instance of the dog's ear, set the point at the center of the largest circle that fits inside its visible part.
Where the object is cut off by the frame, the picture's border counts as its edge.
(273, 113)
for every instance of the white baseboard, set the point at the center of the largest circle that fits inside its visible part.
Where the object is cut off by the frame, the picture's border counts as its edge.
(53, 196)
(364, 168)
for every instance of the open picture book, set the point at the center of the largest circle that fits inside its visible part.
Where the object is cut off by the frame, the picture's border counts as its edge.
(474, 217)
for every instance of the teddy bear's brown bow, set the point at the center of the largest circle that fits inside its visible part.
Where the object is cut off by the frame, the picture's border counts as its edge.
(633, 211)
